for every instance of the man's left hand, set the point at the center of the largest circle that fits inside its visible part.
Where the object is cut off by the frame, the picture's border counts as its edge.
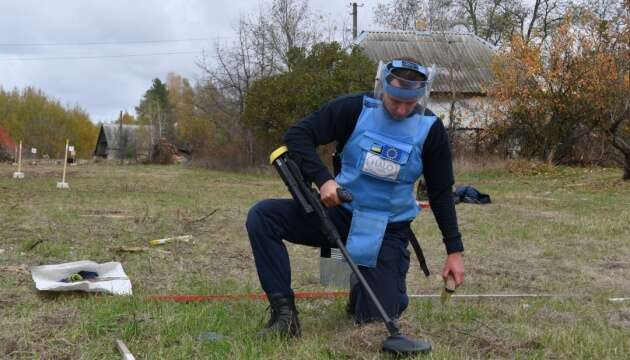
(454, 266)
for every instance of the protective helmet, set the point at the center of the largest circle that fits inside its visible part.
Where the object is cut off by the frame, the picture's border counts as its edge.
(387, 81)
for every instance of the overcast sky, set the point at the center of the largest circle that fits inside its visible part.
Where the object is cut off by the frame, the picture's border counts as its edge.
(76, 50)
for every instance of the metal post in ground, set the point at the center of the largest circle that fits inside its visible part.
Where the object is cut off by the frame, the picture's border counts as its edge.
(19, 174)
(63, 184)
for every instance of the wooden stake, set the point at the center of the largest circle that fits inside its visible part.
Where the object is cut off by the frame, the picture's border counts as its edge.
(63, 184)
(184, 238)
(65, 162)
(124, 352)
(20, 158)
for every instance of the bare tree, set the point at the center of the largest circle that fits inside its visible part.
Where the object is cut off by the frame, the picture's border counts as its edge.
(232, 72)
(424, 15)
(262, 48)
(537, 20)
(291, 26)
(497, 21)
(399, 14)
(489, 19)
(619, 132)
(613, 37)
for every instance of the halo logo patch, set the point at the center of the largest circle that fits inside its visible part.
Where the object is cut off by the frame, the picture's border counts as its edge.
(380, 167)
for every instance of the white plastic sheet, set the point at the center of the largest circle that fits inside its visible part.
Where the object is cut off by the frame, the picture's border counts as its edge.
(111, 277)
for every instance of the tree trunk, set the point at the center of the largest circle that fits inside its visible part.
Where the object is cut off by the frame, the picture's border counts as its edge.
(623, 147)
(553, 157)
(250, 148)
(452, 125)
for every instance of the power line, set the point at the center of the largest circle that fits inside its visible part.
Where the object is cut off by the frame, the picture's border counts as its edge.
(82, 57)
(89, 43)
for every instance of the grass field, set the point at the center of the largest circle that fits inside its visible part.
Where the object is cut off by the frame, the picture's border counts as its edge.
(560, 231)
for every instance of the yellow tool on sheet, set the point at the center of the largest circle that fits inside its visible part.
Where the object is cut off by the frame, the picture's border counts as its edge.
(184, 238)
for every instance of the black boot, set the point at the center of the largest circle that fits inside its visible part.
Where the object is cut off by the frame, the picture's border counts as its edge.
(284, 320)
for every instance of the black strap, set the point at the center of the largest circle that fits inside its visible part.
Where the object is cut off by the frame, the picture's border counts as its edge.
(418, 250)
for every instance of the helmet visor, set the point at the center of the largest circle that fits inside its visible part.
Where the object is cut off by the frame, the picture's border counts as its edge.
(401, 88)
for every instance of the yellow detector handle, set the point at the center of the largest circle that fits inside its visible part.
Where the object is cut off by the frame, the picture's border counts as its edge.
(277, 153)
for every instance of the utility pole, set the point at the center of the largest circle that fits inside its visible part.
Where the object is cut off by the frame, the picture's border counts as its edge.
(354, 19)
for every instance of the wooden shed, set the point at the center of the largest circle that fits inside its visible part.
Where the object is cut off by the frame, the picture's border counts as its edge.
(126, 141)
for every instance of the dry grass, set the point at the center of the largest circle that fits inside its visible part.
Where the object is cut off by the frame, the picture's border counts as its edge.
(468, 163)
(560, 231)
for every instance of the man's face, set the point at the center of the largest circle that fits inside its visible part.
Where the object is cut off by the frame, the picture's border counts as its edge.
(398, 108)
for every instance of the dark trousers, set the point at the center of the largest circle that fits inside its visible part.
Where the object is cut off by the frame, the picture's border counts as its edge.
(272, 220)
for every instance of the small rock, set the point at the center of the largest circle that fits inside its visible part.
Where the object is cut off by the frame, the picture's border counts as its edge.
(212, 336)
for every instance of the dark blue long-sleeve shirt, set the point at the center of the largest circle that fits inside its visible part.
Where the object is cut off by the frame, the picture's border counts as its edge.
(336, 120)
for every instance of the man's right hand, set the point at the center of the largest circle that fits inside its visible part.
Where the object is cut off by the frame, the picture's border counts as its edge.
(328, 193)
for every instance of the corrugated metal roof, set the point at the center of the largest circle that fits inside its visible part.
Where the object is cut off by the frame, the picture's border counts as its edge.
(467, 54)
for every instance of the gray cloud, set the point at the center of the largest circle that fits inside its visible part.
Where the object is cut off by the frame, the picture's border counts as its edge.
(104, 86)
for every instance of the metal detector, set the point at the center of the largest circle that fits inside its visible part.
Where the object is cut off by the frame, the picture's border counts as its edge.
(309, 200)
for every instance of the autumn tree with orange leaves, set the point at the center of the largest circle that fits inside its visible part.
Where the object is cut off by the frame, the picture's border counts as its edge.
(568, 99)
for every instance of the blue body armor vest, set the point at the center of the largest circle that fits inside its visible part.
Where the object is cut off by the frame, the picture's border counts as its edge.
(380, 163)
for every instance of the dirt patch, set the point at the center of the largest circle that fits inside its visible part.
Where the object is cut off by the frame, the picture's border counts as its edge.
(616, 265)
(105, 213)
(533, 213)
(20, 269)
(8, 300)
(109, 216)
(361, 339)
(557, 317)
(100, 212)
(22, 349)
(496, 341)
(10, 347)
(33, 172)
(538, 198)
(133, 318)
(58, 319)
(619, 318)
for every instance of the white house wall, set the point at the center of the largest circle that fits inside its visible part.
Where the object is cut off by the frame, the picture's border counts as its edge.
(472, 111)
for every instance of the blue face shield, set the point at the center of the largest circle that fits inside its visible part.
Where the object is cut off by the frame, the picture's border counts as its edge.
(387, 82)
(404, 89)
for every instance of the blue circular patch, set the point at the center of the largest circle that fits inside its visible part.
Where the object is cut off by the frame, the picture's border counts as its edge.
(391, 153)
